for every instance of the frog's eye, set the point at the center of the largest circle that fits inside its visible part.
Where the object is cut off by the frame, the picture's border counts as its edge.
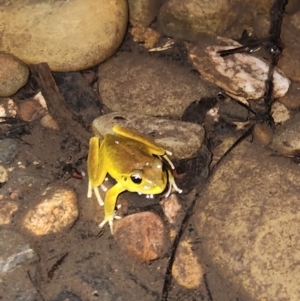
(136, 178)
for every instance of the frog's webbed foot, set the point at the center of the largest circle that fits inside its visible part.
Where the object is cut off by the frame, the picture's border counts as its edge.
(110, 220)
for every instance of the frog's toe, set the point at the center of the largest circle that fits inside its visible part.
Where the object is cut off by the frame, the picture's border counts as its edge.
(110, 221)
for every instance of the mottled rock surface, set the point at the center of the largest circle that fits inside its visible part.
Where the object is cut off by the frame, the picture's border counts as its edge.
(142, 236)
(189, 19)
(248, 219)
(13, 74)
(148, 85)
(68, 35)
(56, 211)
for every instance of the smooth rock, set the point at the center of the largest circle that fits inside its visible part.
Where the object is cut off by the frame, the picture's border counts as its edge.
(13, 74)
(141, 235)
(241, 75)
(248, 219)
(14, 252)
(262, 133)
(280, 113)
(145, 84)
(29, 110)
(3, 174)
(7, 209)
(292, 100)
(190, 19)
(287, 138)
(8, 150)
(186, 269)
(290, 34)
(56, 211)
(68, 35)
(171, 207)
(143, 12)
(230, 111)
(183, 139)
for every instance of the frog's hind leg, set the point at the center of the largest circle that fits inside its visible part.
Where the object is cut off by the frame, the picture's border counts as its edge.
(96, 172)
(153, 147)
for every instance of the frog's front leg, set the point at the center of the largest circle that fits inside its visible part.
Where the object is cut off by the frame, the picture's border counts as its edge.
(96, 172)
(109, 205)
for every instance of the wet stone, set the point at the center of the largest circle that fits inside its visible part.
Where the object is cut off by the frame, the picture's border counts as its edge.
(171, 207)
(141, 235)
(13, 74)
(143, 12)
(57, 210)
(79, 38)
(66, 295)
(3, 174)
(152, 86)
(280, 113)
(242, 76)
(14, 252)
(262, 134)
(287, 138)
(7, 209)
(231, 111)
(292, 100)
(8, 150)
(248, 219)
(186, 269)
(17, 286)
(183, 139)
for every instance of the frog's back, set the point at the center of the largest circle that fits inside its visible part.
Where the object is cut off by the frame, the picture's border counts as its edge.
(122, 155)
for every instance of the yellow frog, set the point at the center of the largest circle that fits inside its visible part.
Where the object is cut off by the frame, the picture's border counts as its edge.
(134, 161)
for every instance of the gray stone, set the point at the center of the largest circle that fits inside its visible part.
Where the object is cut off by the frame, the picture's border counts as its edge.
(248, 220)
(15, 251)
(18, 285)
(183, 139)
(231, 111)
(8, 150)
(143, 12)
(148, 85)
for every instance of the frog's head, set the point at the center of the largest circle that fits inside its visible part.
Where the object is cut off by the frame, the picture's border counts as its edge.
(150, 179)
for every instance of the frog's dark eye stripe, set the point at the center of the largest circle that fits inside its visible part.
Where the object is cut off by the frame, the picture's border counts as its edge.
(136, 178)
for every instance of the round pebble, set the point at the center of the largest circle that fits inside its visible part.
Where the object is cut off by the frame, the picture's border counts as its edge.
(13, 74)
(56, 211)
(8, 150)
(141, 235)
(186, 269)
(263, 134)
(3, 174)
(28, 109)
(7, 209)
(171, 207)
